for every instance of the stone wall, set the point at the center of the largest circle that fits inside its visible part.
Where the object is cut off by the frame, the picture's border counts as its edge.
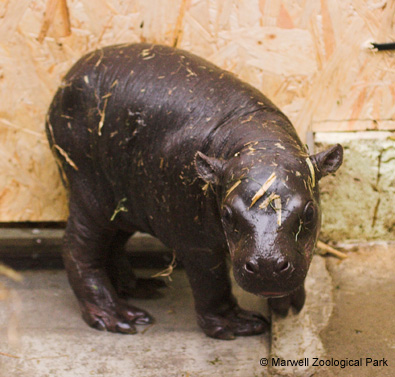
(359, 202)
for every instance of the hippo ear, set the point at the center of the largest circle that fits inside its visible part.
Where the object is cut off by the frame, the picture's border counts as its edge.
(328, 161)
(208, 168)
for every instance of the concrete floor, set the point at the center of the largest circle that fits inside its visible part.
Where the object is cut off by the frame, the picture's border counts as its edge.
(363, 320)
(45, 332)
(349, 316)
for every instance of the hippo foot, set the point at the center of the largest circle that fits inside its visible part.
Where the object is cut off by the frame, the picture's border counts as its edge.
(281, 305)
(140, 288)
(119, 318)
(234, 322)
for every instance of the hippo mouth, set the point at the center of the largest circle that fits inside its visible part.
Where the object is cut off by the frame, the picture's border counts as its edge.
(277, 294)
(273, 294)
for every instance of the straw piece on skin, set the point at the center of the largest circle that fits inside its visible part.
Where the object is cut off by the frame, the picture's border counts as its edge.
(277, 204)
(312, 171)
(263, 189)
(232, 188)
(268, 200)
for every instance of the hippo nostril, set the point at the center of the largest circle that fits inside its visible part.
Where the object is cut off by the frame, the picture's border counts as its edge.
(250, 268)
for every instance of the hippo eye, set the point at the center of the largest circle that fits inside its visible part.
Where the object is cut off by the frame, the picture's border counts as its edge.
(308, 213)
(227, 214)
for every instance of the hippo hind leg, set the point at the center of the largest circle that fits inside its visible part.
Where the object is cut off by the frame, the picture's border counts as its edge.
(85, 253)
(218, 313)
(121, 274)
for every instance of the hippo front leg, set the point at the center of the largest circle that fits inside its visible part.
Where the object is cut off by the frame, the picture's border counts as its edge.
(218, 313)
(281, 305)
(85, 252)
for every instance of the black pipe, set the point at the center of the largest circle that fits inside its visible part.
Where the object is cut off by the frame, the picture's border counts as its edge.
(384, 46)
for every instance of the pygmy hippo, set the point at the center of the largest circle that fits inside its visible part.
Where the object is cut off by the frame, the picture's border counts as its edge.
(154, 139)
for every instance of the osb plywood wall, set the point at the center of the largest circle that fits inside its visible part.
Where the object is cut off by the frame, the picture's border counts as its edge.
(306, 55)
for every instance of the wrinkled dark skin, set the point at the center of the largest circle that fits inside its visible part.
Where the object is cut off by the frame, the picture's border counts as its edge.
(153, 139)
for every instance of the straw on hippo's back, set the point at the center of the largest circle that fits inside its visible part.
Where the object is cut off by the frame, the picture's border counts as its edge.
(154, 139)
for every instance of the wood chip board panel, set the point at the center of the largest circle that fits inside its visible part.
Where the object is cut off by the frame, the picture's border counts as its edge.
(308, 56)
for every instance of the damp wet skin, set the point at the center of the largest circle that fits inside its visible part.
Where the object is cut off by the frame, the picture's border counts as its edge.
(271, 242)
(269, 205)
(150, 138)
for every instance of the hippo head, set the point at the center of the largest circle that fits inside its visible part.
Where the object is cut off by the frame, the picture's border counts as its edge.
(270, 212)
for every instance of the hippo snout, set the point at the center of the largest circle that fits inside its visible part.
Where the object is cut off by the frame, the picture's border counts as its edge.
(280, 267)
(270, 276)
